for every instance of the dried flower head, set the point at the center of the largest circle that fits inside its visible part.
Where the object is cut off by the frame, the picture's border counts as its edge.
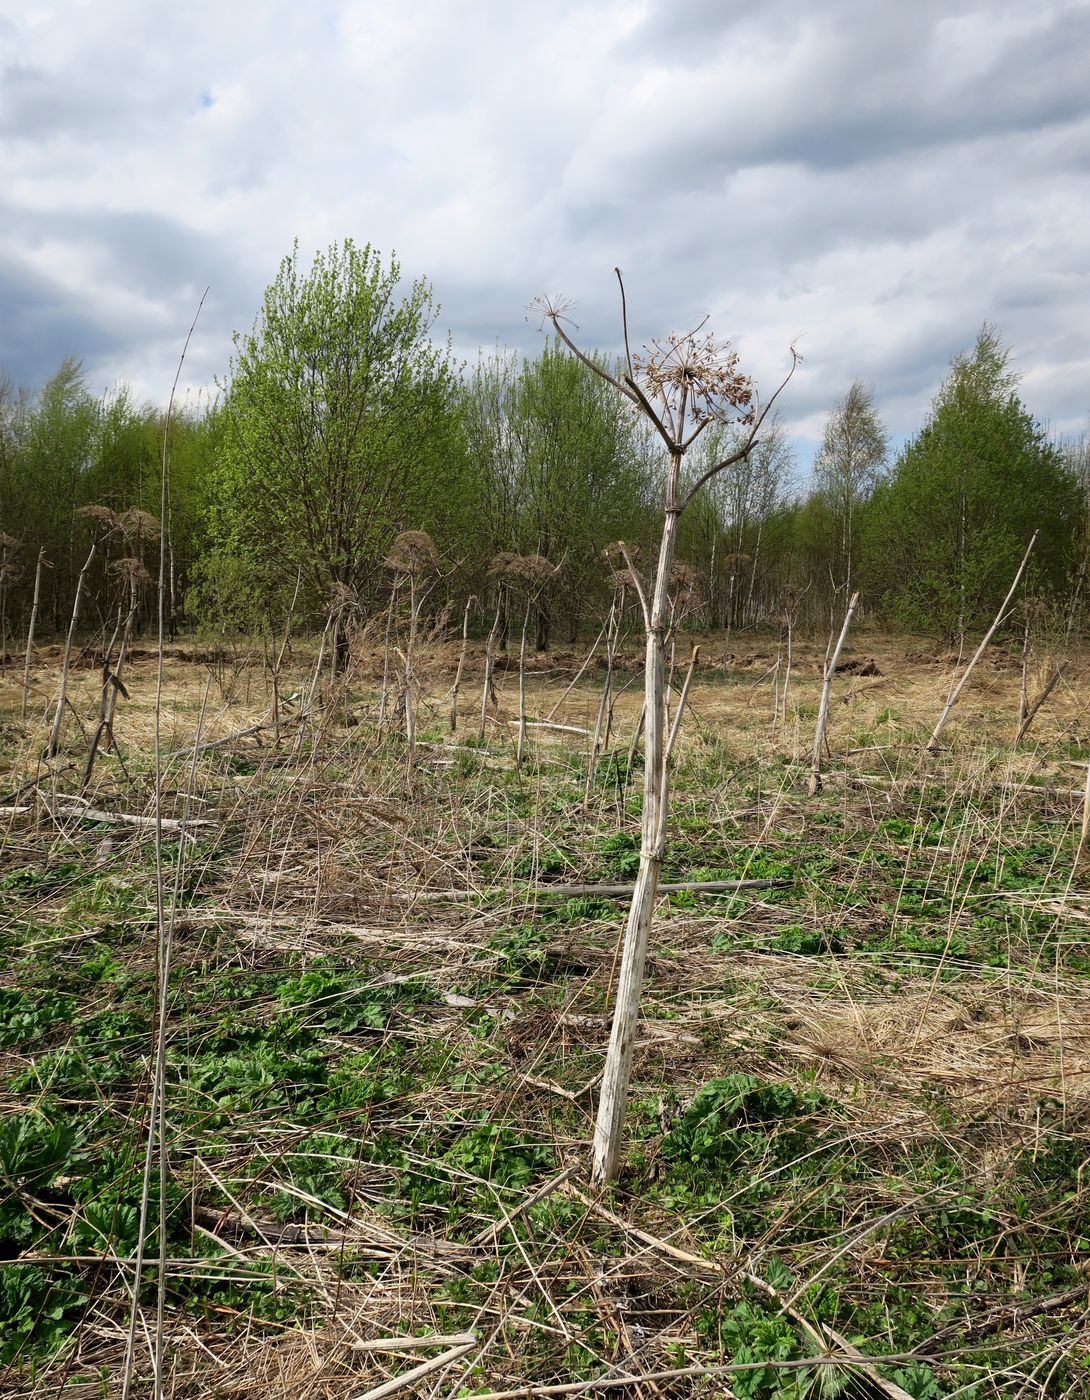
(621, 558)
(527, 569)
(132, 571)
(342, 596)
(686, 584)
(99, 515)
(551, 308)
(699, 368)
(413, 552)
(139, 525)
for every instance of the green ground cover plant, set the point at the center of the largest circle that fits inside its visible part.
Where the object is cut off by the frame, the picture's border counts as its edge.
(861, 1108)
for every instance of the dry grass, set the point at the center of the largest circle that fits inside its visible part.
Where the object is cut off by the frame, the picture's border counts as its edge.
(927, 1052)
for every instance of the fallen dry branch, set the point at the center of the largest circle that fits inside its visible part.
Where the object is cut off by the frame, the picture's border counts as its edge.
(417, 1373)
(820, 1334)
(618, 891)
(435, 1339)
(487, 1235)
(96, 814)
(739, 1368)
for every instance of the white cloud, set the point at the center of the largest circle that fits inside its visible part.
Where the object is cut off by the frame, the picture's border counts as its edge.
(880, 179)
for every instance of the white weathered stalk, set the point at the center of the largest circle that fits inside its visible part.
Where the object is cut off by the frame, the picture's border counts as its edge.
(604, 705)
(30, 631)
(823, 709)
(933, 742)
(62, 700)
(1031, 711)
(613, 1101)
(675, 728)
(522, 689)
(487, 687)
(458, 673)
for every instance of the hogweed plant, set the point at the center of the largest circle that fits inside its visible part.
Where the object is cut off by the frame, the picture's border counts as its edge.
(681, 384)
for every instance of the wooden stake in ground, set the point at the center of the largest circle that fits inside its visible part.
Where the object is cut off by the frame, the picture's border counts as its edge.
(933, 742)
(814, 784)
(681, 384)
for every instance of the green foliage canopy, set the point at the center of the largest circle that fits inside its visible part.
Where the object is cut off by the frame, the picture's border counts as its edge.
(340, 424)
(946, 531)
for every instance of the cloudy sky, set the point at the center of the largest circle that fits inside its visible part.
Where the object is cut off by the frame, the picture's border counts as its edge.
(872, 180)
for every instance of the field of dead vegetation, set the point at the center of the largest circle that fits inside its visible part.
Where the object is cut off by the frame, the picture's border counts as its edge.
(351, 1158)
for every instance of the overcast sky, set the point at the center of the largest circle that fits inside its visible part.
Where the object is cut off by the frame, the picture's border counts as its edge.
(873, 180)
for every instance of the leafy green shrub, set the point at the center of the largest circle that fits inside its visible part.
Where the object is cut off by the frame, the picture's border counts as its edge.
(25, 1016)
(36, 1312)
(622, 853)
(731, 1116)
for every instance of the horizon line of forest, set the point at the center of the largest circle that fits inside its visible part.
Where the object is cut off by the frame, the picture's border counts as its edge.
(340, 425)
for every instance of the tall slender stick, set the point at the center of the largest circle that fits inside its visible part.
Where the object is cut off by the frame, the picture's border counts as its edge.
(164, 931)
(30, 631)
(522, 688)
(676, 726)
(461, 665)
(1031, 710)
(814, 785)
(604, 708)
(488, 686)
(62, 699)
(933, 742)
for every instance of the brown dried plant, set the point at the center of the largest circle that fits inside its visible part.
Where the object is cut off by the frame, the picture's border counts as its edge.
(139, 524)
(101, 516)
(681, 384)
(413, 552)
(131, 570)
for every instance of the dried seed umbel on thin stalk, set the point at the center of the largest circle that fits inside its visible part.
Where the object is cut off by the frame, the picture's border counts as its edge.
(681, 383)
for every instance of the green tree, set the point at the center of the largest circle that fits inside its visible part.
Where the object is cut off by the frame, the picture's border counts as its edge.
(47, 481)
(947, 529)
(562, 468)
(340, 424)
(853, 451)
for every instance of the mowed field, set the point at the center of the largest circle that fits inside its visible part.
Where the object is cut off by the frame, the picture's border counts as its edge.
(859, 1128)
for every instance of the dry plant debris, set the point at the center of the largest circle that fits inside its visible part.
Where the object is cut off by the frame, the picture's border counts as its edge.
(862, 1110)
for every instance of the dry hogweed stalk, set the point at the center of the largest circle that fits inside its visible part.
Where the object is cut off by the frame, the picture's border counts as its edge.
(530, 574)
(413, 556)
(681, 384)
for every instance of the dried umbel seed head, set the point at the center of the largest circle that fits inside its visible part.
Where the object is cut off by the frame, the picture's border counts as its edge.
(8, 543)
(686, 582)
(531, 570)
(101, 516)
(413, 552)
(131, 571)
(700, 368)
(342, 596)
(139, 525)
(621, 557)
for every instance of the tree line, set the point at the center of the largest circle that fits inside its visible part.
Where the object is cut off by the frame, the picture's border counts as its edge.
(342, 422)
